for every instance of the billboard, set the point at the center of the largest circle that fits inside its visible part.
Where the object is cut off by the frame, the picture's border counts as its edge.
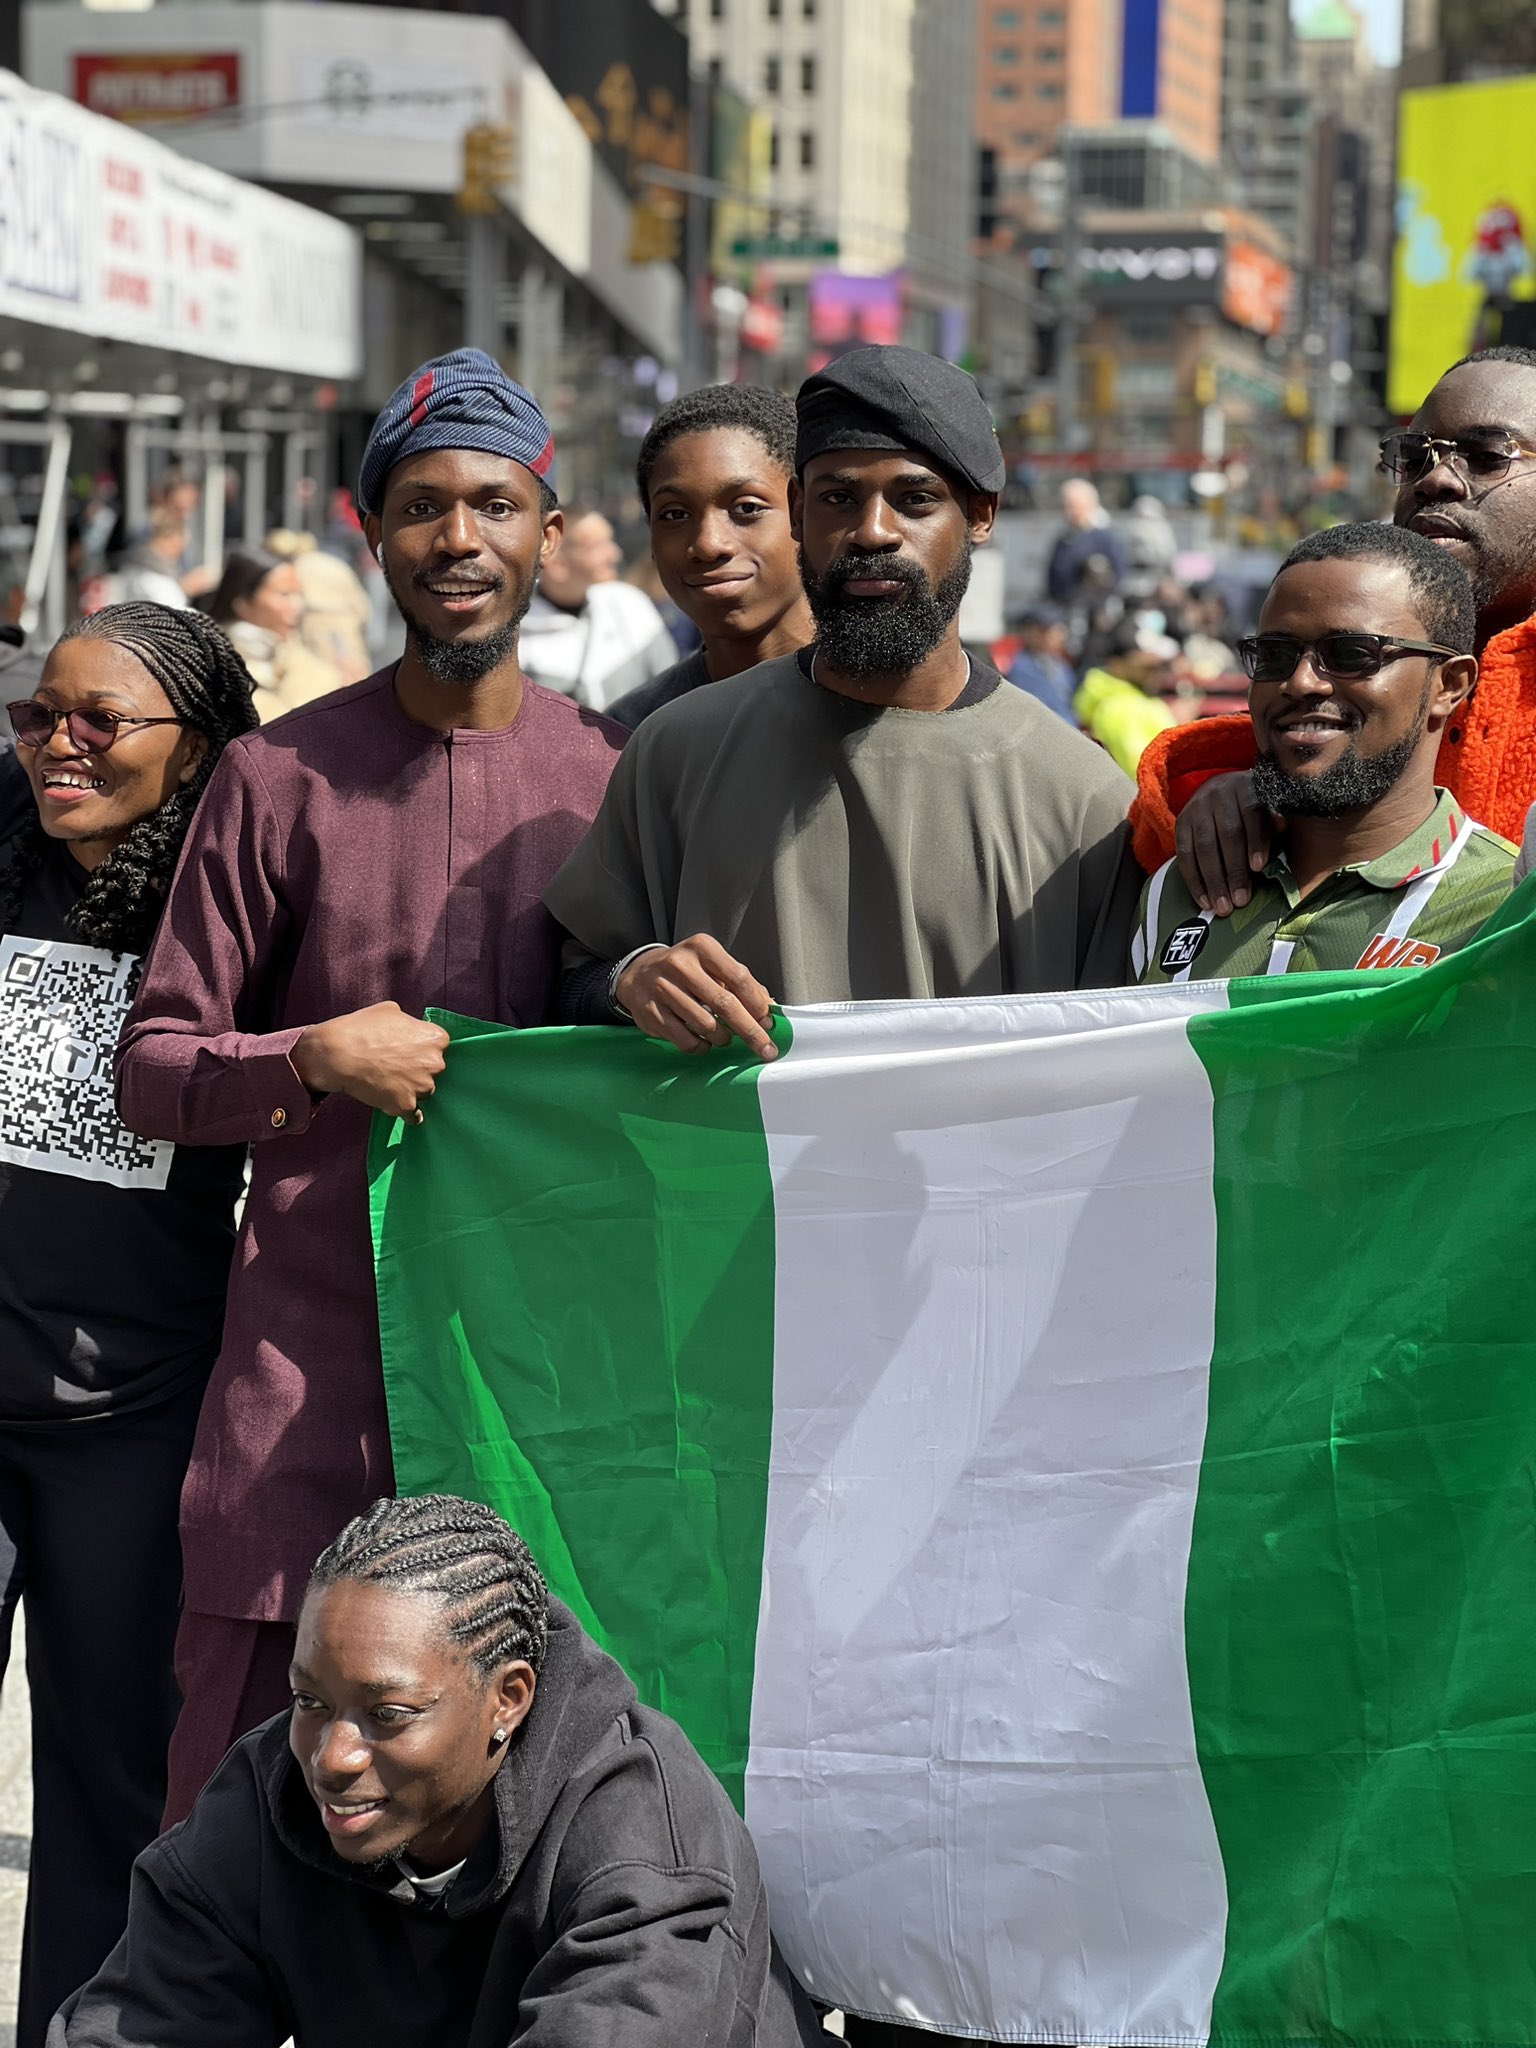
(106, 232)
(623, 69)
(157, 86)
(1256, 291)
(1463, 266)
(852, 312)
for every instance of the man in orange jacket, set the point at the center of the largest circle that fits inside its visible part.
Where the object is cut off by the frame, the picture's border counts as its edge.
(1466, 478)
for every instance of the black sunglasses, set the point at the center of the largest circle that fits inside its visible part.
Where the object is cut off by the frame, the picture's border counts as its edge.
(1407, 456)
(1341, 657)
(91, 732)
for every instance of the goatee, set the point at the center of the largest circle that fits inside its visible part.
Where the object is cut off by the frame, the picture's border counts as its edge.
(878, 636)
(1355, 782)
(466, 661)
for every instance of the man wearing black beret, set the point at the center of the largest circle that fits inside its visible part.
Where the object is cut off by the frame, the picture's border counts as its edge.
(877, 816)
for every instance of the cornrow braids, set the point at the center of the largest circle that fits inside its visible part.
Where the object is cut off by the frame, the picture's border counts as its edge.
(462, 1555)
(208, 686)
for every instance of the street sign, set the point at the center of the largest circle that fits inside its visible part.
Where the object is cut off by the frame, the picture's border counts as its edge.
(765, 248)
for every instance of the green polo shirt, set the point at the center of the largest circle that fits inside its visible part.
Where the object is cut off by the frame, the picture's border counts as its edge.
(1425, 898)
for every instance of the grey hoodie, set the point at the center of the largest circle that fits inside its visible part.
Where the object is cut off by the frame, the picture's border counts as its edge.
(615, 1903)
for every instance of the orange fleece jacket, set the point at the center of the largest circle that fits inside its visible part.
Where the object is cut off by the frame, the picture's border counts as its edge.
(1487, 756)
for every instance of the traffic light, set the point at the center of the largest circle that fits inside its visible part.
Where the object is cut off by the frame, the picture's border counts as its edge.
(489, 161)
(655, 228)
(1100, 365)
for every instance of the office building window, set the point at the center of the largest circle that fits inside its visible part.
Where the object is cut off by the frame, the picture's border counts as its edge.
(1049, 89)
(717, 10)
(775, 9)
(716, 70)
(770, 75)
(1051, 17)
(1048, 53)
(808, 10)
(1006, 17)
(773, 149)
(1005, 89)
(1006, 53)
(807, 74)
(807, 150)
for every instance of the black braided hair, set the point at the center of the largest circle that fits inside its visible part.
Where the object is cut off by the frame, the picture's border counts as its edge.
(210, 687)
(462, 1555)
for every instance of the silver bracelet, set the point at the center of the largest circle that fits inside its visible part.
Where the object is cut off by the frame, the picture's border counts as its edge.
(619, 967)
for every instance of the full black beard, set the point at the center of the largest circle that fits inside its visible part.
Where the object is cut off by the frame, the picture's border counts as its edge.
(878, 636)
(1355, 782)
(463, 661)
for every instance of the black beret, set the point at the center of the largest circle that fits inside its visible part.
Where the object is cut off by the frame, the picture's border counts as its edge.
(895, 397)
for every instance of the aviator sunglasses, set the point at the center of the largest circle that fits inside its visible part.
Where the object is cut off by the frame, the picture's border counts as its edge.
(1340, 657)
(91, 732)
(1484, 458)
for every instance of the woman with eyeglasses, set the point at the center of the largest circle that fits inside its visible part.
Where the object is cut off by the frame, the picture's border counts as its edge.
(114, 1254)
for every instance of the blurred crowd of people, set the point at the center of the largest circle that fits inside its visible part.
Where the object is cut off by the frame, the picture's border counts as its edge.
(1131, 635)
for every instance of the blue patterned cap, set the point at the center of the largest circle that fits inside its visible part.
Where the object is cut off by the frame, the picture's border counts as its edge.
(463, 400)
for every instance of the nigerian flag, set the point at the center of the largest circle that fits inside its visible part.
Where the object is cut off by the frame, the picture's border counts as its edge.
(1069, 1462)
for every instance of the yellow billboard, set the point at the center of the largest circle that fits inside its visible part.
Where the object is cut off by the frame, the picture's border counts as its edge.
(1464, 264)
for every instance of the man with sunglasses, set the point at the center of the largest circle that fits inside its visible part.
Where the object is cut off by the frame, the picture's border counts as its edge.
(1362, 659)
(1465, 476)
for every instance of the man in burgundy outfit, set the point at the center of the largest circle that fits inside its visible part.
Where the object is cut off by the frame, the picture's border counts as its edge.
(381, 850)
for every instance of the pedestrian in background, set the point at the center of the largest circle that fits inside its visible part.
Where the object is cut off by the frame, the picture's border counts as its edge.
(587, 634)
(338, 611)
(1040, 665)
(1088, 553)
(1122, 702)
(149, 573)
(114, 1255)
(260, 604)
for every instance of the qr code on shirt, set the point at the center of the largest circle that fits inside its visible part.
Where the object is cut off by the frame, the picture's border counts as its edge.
(61, 1009)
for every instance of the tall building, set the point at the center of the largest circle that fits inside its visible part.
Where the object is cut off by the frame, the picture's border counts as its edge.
(1257, 48)
(840, 155)
(1170, 69)
(1043, 66)
(941, 172)
(1267, 119)
(1040, 67)
(861, 158)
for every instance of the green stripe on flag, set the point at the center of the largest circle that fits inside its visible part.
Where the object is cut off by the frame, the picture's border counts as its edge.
(636, 1462)
(1363, 1575)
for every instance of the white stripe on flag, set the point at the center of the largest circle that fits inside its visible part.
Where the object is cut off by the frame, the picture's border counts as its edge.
(972, 1778)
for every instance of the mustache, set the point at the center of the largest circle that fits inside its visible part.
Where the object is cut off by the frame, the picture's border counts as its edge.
(481, 579)
(855, 568)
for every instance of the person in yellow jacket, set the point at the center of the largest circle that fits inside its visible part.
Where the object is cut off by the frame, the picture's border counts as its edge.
(1119, 703)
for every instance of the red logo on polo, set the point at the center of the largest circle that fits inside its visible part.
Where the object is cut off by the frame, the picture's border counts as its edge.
(1385, 952)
